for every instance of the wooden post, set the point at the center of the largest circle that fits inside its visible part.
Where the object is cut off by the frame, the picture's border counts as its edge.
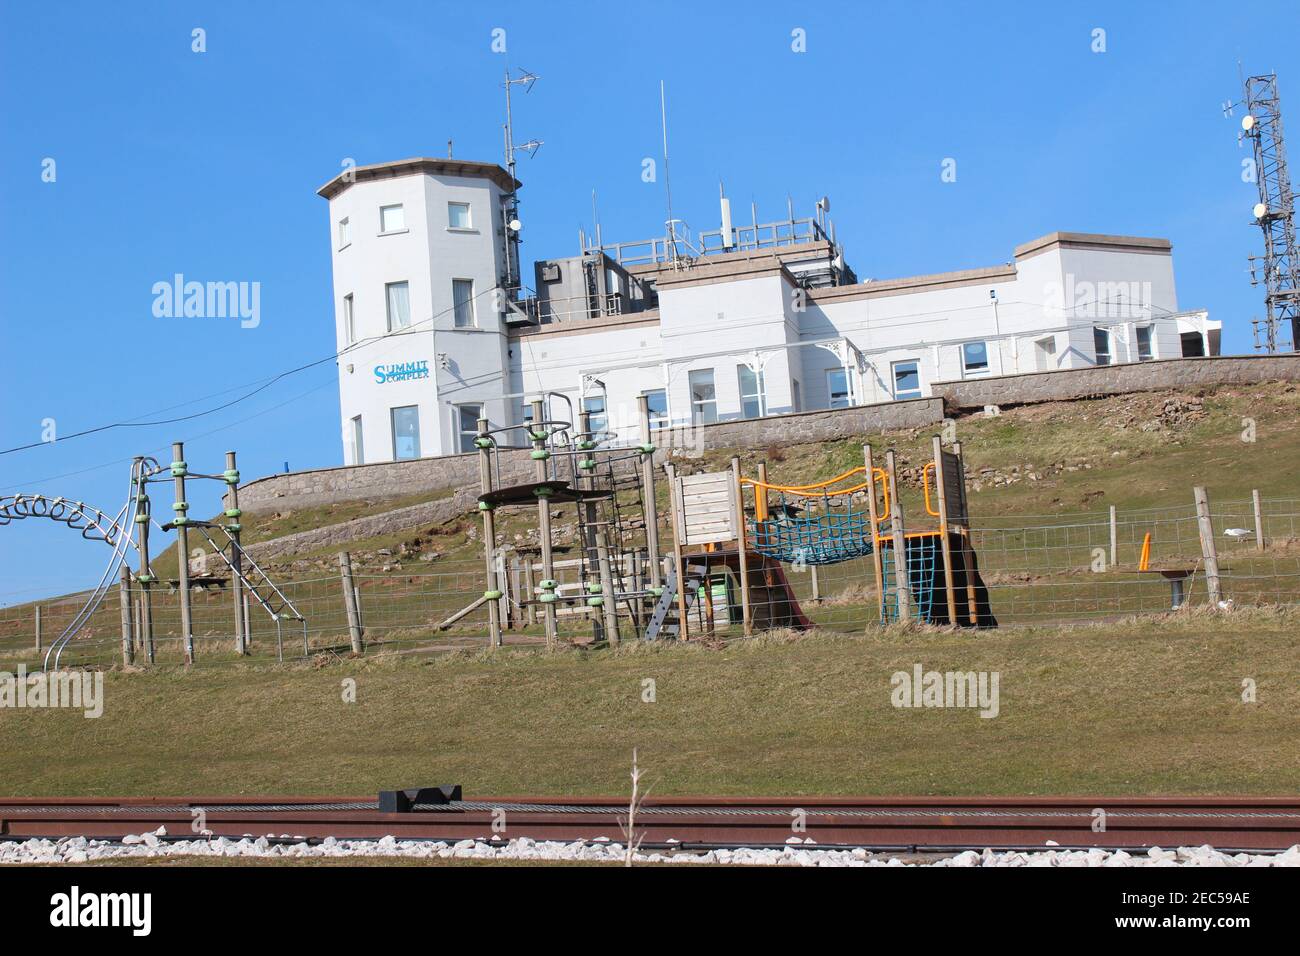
(968, 550)
(530, 585)
(674, 508)
(742, 544)
(128, 623)
(1208, 550)
(544, 519)
(38, 628)
(181, 522)
(760, 493)
(1114, 539)
(598, 536)
(941, 492)
(648, 494)
(236, 553)
(1259, 521)
(350, 602)
(816, 585)
(877, 564)
(145, 574)
(489, 535)
(902, 581)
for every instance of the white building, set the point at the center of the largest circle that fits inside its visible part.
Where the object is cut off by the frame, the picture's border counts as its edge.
(738, 322)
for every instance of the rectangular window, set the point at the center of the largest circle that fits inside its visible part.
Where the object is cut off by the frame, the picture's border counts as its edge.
(406, 432)
(753, 403)
(349, 323)
(467, 417)
(657, 407)
(907, 380)
(704, 400)
(358, 444)
(398, 295)
(392, 218)
(345, 233)
(458, 215)
(462, 298)
(1101, 345)
(974, 359)
(837, 387)
(1144, 343)
(599, 422)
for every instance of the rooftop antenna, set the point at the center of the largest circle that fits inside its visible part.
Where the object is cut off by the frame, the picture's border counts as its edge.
(671, 224)
(513, 225)
(449, 149)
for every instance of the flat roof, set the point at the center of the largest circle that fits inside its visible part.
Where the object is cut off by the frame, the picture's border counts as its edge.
(1093, 240)
(416, 166)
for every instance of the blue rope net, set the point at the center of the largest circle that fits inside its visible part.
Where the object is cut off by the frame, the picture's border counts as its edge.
(922, 554)
(825, 538)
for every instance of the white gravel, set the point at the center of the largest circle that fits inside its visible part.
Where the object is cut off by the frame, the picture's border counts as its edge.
(795, 853)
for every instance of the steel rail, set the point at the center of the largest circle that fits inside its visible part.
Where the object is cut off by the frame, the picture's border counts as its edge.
(903, 823)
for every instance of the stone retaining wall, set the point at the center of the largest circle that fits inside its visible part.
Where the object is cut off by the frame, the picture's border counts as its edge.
(1073, 384)
(305, 489)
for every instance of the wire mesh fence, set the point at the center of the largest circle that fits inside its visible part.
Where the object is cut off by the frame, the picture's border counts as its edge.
(1038, 569)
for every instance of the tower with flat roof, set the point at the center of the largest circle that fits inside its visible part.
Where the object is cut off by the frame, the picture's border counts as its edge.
(420, 254)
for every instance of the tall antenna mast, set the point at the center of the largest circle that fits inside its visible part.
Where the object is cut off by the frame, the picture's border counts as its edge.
(511, 281)
(1275, 215)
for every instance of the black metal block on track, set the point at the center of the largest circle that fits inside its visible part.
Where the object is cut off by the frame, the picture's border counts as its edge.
(404, 801)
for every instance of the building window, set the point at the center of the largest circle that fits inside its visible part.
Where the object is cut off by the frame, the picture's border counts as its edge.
(398, 295)
(1101, 345)
(458, 215)
(837, 387)
(358, 443)
(907, 380)
(392, 219)
(1144, 343)
(599, 422)
(753, 403)
(1192, 343)
(656, 402)
(406, 432)
(462, 298)
(349, 323)
(974, 359)
(704, 399)
(345, 233)
(467, 417)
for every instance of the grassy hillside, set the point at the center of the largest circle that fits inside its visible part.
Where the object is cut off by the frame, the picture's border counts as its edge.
(1056, 467)
(1139, 707)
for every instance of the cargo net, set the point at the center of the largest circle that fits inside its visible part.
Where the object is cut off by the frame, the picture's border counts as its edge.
(836, 533)
(922, 553)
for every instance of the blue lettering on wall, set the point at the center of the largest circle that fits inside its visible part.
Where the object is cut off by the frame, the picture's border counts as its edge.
(401, 371)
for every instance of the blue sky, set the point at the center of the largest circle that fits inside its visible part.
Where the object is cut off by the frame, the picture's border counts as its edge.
(170, 161)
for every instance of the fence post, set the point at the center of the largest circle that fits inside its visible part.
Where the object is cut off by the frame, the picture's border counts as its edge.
(350, 602)
(128, 624)
(1114, 539)
(180, 523)
(38, 628)
(1259, 521)
(902, 579)
(1206, 527)
(233, 514)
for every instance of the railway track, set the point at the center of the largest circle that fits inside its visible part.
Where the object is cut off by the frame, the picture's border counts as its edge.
(915, 824)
